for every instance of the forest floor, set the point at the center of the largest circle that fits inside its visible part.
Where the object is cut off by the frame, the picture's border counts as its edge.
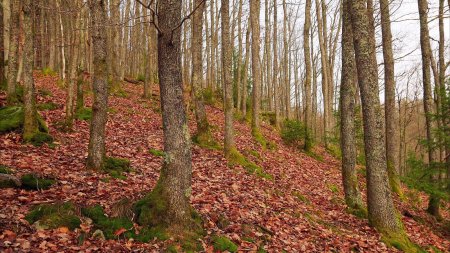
(301, 210)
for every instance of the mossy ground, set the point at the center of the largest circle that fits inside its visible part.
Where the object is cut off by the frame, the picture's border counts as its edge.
(222, 243)
(5, 169)
(401, 241)
(206, 140)
(115, 167)
(47, 106)
(35, 182)
(84, 113)
(235, 158)
(151, 212)
(259, 138)
(156, 152)
(54, 216)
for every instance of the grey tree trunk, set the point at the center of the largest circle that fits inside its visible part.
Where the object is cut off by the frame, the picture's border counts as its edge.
(307, 55)
(347, 96)
(96, 149)
(256, 67)
(381, 209)
(30, 125)
(391, 113)
(13, 64)
(6, 18)
(245, 74)
(2, 51)
(275, 65)
(428, 102)
(176, 173)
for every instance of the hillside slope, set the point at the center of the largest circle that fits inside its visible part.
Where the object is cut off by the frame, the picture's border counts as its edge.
(300, 210)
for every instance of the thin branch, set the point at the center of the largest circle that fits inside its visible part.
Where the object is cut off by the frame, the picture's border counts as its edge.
(185, 18)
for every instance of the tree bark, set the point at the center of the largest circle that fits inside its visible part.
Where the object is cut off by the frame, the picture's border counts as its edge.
(96, 149)
(30, 125)
(275, 65)
(381, 209)
(256, 66)
(428, 102)
(176, 174)
(2, 47)
(13, 65)
(391, 116)
(6, 18)
(229, 144)
(348, 86)
(245, 74)
(307, 55)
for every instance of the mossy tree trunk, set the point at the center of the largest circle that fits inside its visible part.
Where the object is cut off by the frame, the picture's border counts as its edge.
(176, 174)
(382, 213)
(30, 125)
(307, 54)
(347, 96)
(96, 149)
(428, 102)
(391, 113)
(13, 65)
(203, 131)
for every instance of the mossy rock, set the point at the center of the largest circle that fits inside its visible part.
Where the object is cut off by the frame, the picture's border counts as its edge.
(34, 182)
(84, 113)
(39, 138)
(53, 216)
(222, 243)
(47, 106)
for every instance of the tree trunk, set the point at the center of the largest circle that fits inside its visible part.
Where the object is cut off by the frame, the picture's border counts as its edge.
(391, 116)
(428, 102)
(245, 74)
(6, 18)
(239, 58)
(229, 144)
(176, 173)
(256, 67)
(307, 55)
(203, 134)
(2, 47)
(13, 52)
(275, 65)
(96, 149)
(347, 96)
(30, 125)
(381, 209)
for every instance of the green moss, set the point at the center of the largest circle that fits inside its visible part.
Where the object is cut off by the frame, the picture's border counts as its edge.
(314, 155)
(54, 215)
(333, 188)
(206, 140)
(140, 78)
(222, 243)
(257, 135)
(109, 226)
(5, 169)
(401, 242)
(45, 93)
(47, 106)
(301, 197)
(34, 182)
(360, 212)
(208, 96)
(39, 138)
(151, 210)
(236, 158)
(156, 152)
(84, 114)
(11, 118)
(48, 72)
(115, 167)
(335, 151)
(293, 132)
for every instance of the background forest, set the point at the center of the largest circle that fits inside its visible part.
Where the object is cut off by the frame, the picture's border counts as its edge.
(212, 126)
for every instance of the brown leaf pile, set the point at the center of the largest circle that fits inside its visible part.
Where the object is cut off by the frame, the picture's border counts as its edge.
(299, 211)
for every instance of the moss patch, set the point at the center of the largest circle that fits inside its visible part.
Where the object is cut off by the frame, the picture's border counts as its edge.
(109, 226)
(401, 242)
(12, 119)
(156, 152)
(5, 169)
(360, 212)
(222, 243)
(259, 138)
(84, 113)
(35, 182)
(39, 138)
(301, 197)
(47, 106)
(315, 156)
(206, 141)
(54, 216)
(236, 158)
(115, 167)
(48, 72)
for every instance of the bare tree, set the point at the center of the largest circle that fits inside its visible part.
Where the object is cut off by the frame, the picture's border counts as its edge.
(307, 55)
